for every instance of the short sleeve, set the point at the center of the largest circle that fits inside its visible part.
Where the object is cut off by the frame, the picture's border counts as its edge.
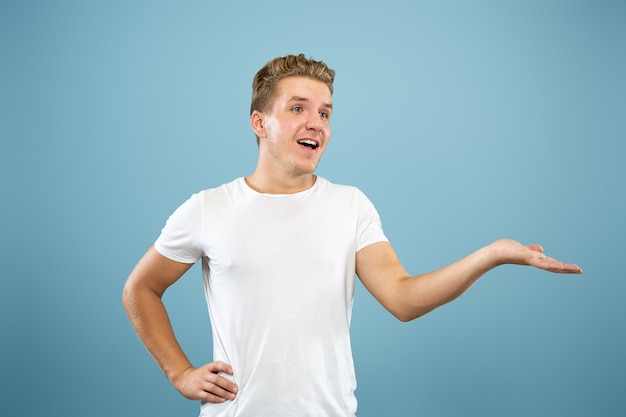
(179, 240)
(369, 227)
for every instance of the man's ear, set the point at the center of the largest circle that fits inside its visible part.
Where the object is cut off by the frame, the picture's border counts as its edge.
(257, 120)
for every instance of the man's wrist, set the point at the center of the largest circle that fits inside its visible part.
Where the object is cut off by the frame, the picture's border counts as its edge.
(177, 377)
(493, 256)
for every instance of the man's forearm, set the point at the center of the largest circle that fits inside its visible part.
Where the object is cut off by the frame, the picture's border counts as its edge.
(423, 293)
(151, 322)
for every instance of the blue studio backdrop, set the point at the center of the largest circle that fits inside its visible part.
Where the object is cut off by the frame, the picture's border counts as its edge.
(463, 121)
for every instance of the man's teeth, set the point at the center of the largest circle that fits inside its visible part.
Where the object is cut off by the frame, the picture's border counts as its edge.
(310, 143)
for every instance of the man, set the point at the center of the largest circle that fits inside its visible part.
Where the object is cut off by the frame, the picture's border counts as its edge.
(280, 249)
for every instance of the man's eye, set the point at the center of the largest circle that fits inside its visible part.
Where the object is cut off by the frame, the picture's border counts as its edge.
(296, 109)
(324, 115)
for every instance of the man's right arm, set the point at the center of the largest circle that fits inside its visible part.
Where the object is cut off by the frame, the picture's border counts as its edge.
(142, 299)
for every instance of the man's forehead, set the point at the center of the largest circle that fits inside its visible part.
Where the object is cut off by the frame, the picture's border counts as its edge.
(303, 89)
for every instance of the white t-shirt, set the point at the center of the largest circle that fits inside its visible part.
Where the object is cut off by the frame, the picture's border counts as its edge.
(279, 282)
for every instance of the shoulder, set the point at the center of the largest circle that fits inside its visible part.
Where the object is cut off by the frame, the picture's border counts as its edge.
(224, 191)
(328, 186)
(344, 190)
(198, 202)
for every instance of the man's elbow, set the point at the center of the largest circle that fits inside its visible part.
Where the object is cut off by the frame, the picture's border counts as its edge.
(407, 315)
(128, 294)
(405, 318)
(131, 296)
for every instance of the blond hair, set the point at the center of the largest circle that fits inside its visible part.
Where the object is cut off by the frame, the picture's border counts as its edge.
(265, 80)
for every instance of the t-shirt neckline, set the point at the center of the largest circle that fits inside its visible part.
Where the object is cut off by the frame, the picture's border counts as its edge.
(250, 190)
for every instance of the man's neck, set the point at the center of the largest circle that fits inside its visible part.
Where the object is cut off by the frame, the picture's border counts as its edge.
(267, 184)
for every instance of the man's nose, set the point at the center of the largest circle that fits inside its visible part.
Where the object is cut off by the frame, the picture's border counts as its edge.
(315, 122)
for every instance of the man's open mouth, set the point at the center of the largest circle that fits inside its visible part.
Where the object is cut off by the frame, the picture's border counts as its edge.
(309, 143)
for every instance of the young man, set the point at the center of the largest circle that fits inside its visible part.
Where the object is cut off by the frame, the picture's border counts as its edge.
(280, 249)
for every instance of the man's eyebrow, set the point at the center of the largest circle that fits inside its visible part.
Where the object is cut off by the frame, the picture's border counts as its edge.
(304, 99)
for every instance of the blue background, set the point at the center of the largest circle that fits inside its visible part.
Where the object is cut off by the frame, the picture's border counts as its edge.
(463, 121)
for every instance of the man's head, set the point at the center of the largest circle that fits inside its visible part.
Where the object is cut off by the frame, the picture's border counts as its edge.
(290, 115)
(265, 80)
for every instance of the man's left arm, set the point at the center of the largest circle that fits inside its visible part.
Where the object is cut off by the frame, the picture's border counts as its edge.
(408, 297)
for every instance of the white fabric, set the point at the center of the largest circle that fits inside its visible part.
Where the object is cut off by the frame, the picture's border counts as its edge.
(279, 281)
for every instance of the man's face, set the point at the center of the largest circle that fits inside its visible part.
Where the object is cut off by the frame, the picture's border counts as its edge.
(297, 128)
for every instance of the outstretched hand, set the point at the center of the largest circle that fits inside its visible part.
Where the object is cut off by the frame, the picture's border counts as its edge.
(508, 251)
